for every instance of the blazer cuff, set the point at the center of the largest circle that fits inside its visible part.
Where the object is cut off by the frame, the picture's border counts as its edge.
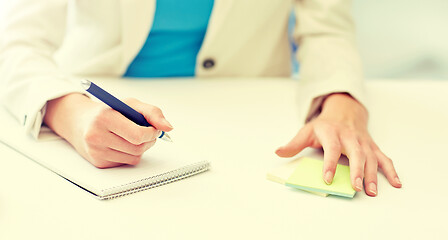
(32, 117)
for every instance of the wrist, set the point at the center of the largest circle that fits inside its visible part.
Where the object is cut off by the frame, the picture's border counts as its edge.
(344, 107)
(62, 114)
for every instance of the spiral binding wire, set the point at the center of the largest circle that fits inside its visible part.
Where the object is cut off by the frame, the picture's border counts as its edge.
(154, 181)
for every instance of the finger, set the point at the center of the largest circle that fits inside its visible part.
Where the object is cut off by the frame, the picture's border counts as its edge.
(370, 173)
(297, 144)
(357, 159)
(117, 143)
(388, 168)
(111, 155)
(104, 164)
(331, 145)
(153, 115)
(117, 123)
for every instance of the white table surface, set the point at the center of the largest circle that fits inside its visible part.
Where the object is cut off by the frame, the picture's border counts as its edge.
(237, 124)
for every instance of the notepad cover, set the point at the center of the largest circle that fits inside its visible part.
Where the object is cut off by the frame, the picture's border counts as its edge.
(281, 173)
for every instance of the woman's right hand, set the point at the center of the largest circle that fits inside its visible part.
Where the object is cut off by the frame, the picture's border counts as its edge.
(102, 135)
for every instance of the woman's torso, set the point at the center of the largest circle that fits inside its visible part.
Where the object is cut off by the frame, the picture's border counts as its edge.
(243, 38)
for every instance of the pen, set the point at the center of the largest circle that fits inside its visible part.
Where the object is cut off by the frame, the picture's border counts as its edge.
(119, 106)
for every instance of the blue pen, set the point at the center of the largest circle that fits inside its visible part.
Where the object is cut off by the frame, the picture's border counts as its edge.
(119, 106)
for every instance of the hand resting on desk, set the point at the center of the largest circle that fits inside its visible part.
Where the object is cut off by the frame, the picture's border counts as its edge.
(341, 127)
(102, 135)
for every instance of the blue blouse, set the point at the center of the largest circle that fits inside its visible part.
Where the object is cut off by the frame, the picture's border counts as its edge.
(174, 41)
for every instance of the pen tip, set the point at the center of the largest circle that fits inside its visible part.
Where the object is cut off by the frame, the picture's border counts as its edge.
(168, 138)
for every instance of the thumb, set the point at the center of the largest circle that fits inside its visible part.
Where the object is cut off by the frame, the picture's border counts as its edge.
(152, 114)
(301, 141)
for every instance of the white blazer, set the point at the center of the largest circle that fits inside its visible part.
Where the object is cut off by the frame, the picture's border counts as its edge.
(45, 44)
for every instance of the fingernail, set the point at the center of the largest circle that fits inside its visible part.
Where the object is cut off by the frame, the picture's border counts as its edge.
(358, 184)
(397, 180)
(372, 188)
(167, 123)
(328, 177)
(280, 149)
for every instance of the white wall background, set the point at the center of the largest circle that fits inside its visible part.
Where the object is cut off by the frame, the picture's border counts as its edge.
(397, 38)
(3, 5)
(403, 38)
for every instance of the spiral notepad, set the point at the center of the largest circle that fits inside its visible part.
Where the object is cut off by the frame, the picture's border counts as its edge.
(163, 163)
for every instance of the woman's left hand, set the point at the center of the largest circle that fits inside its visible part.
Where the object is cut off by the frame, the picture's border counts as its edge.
(341, 127)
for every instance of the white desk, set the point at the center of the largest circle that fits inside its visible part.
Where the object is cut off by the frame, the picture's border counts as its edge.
(238, 124)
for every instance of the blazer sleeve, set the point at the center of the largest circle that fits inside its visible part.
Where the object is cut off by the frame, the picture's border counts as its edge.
(31, 33)
(329, 61)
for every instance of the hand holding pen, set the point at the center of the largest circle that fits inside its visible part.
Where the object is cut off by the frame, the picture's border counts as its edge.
(102, 135)
(119, 106)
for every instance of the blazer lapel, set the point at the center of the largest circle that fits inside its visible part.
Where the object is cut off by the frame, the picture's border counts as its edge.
(137, 17)
(220, 11)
